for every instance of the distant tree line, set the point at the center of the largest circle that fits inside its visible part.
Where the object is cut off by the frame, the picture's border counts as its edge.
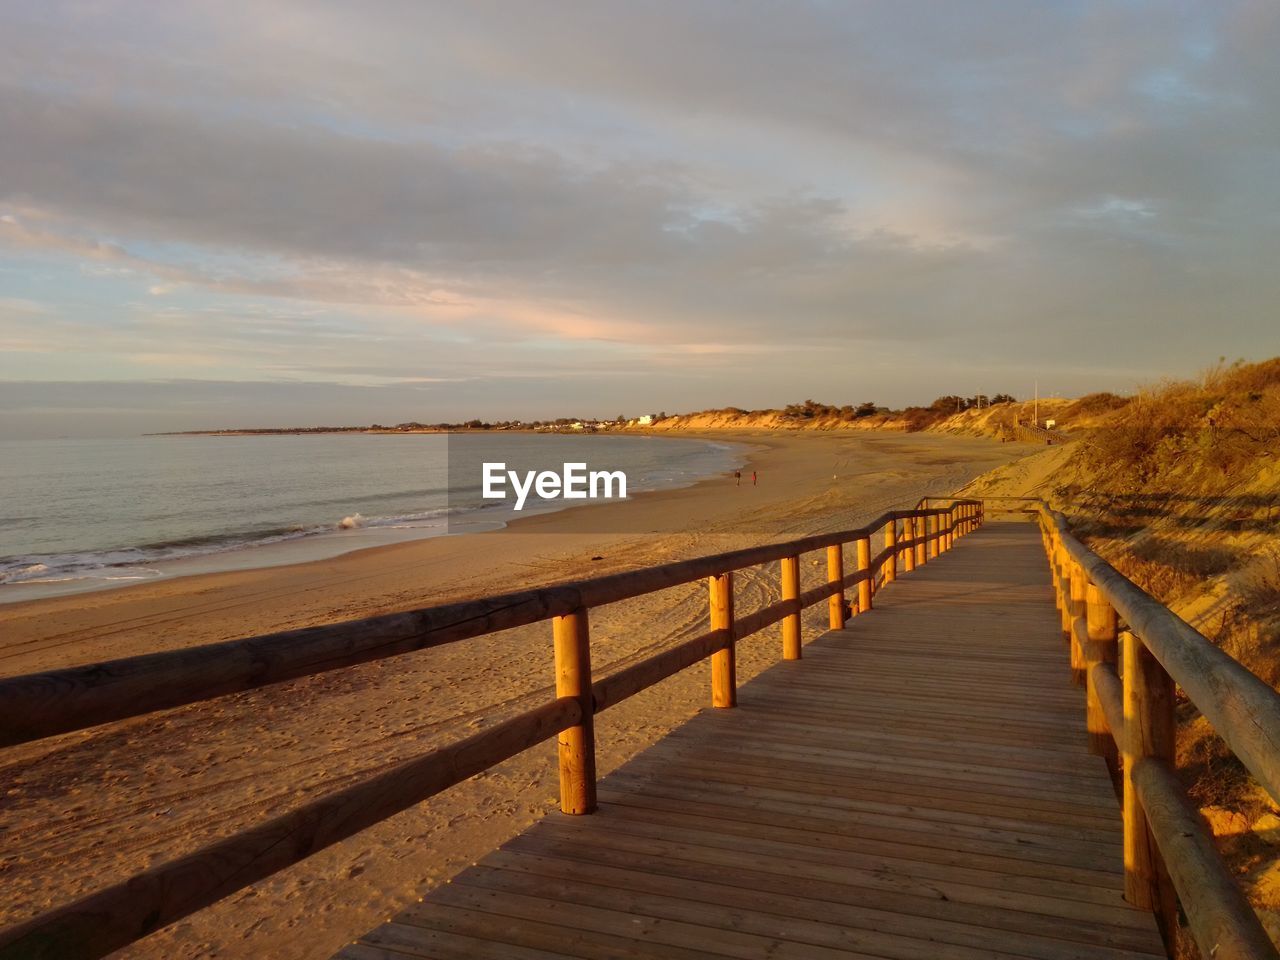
(917, 417)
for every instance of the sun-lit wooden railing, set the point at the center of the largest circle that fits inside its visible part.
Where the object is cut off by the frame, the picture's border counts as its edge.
(1032, 433)
(1129, 651)
(46, 704)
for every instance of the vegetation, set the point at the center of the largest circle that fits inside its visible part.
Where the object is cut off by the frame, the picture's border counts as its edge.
(811, 410)
(911, 418)
(1216, 426)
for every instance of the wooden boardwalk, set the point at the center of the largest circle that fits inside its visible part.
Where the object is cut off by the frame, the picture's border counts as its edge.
(916, 787)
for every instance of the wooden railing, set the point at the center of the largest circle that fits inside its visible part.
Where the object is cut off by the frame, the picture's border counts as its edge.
(1032, 433)
(1129, 651)
(43, 705)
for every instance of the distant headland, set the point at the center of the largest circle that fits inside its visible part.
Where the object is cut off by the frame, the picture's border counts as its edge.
(993, 412)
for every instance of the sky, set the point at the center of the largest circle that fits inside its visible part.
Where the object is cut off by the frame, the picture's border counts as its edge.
(233, 213)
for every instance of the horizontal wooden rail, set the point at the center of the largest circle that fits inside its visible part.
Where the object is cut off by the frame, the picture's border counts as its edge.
(1222, 922)
(59, 701)
(120, 914)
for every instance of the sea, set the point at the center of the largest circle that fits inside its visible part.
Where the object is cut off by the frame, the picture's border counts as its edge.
(84, 514)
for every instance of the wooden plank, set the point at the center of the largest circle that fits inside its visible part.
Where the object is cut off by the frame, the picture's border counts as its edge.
(886, 723)
(1083, 859)
(807, 900)
(880, 716)
(1052, 895)
(852, 761)
(1131, 929)
(949, 802)
(794, 794)
(871, 873)
(918, 845)
(591, 932)
(946, 813)
(457, 940)
(768, 916)
(751, 728)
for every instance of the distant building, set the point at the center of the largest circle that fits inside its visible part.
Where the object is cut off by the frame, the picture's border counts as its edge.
(646, 420)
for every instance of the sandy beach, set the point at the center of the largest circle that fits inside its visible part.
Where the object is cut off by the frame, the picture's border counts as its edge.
(87, 809)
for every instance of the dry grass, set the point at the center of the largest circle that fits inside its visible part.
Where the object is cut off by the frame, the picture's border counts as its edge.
(1172, 569)
(1093, 405)
(1215, 425)
(1259, 584)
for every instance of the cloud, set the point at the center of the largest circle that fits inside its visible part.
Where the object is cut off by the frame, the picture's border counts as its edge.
(693, 189)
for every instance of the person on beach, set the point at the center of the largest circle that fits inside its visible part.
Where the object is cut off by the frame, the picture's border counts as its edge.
(737, 477)
(753, 478)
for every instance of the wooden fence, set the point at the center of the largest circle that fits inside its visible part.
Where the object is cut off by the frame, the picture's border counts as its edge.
(43, 705)
(1031, 433)
(1129, 651)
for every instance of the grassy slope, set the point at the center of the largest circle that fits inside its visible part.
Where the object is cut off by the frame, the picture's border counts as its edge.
(1179, 487)
(988, 422)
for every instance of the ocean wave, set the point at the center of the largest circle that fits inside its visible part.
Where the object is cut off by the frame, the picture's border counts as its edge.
(137, 562)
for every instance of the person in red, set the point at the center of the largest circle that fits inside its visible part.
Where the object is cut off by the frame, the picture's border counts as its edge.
(753, 478)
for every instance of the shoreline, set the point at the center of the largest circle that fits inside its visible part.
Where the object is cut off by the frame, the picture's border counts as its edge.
(200, 572)
(317, 544)
(115, 799)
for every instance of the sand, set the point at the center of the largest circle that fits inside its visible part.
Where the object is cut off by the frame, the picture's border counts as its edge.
(90, 808)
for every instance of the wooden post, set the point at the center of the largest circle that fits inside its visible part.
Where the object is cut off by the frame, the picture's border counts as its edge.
(890, 567)
(835, 574)
(577, 744)
(935, 535)
(864, 563)
(908, 554)
(1079, 631)
(1101, 619)
(724, 664)
(922, 548)
(791, 622)
(1148, 732)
